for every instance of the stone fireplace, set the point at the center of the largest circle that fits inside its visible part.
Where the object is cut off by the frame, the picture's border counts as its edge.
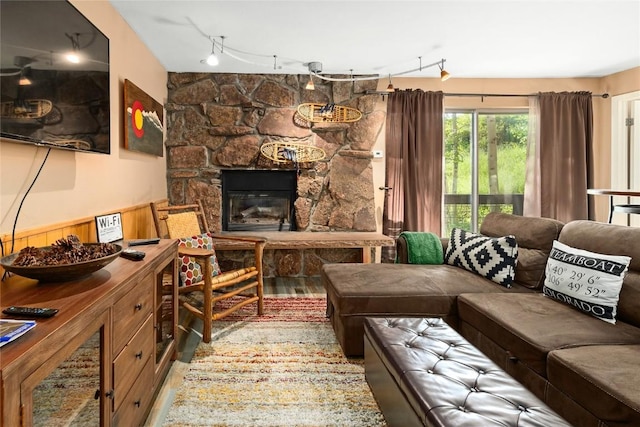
(260, 200)
(218, 122)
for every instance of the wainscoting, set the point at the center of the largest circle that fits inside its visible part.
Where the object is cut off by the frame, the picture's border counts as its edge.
(137, 223)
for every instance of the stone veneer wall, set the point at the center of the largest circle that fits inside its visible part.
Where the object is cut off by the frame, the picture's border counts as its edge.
(218, 121)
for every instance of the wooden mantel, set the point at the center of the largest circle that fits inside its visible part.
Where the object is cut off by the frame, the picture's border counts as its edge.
(310, 240)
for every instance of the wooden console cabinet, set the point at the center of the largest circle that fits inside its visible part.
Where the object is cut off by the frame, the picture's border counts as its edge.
(114, 335)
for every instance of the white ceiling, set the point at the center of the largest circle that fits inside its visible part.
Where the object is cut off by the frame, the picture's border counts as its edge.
(478, 39)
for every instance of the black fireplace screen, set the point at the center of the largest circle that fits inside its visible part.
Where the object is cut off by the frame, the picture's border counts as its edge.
(258, 200)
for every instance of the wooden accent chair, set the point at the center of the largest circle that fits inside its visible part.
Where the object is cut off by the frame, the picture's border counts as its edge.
(188, 223)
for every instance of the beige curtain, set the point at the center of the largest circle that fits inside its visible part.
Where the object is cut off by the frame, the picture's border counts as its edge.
(560, 173)
(413, 164)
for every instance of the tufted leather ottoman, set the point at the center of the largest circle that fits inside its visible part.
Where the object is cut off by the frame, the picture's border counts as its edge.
(423, 373)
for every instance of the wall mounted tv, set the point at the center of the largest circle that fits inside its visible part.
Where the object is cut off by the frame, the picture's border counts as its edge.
(48, 97)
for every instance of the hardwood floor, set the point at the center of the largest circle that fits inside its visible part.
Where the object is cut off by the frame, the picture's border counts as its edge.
(189, 336)
(294, 287)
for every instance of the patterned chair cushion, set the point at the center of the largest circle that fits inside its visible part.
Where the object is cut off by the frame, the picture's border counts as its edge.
(190, 270)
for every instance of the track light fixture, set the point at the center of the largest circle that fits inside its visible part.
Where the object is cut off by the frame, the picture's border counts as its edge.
(212, 59)
(315, 67)
(376, 77)
(310, 85)
(390, 88)
(444, 75)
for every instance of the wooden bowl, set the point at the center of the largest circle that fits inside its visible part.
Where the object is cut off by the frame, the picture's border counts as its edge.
(61, 272)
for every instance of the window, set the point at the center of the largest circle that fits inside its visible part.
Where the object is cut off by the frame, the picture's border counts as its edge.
(485, 161)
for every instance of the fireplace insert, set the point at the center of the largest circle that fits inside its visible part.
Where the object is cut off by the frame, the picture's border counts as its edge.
(258, 200)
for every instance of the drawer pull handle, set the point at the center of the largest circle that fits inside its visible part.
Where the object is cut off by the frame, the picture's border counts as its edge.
(137, 403)
(139, 306)
(139, 355)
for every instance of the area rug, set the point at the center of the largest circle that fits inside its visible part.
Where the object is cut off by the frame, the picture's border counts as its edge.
(281, 369)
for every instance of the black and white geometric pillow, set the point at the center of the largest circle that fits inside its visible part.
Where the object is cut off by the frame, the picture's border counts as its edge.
(494, 258)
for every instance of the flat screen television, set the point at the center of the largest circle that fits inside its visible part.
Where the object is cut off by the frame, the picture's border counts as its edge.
(48, 96)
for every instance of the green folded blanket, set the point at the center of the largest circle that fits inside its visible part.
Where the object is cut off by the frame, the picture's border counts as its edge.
(423, 247)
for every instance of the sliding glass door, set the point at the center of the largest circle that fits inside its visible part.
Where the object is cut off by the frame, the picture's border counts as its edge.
(485, 158)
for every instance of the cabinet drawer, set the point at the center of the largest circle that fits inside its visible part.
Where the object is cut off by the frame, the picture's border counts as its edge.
(130, 311)
(129, 363)
(136, 402)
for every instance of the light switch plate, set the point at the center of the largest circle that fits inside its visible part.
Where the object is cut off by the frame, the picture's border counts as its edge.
(378, 154)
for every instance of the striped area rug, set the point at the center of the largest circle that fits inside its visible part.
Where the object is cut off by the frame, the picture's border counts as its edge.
(281, 369)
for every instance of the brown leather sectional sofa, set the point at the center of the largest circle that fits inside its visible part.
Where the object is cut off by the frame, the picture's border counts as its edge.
(585, 369)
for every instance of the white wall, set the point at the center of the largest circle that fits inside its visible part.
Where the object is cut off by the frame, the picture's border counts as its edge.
(76, 185)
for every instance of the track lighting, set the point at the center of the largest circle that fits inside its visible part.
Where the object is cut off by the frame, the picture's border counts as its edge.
(390, 88)
(444, 75)
(212, 59)
(310, 85)
(314, 67)
(353, 78)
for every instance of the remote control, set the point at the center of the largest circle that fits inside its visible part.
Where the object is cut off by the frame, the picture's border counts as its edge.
(138, 242)
(132, 254)
(30, 311)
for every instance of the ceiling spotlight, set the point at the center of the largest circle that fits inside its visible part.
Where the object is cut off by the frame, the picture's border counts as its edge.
(390, 88)
(310, 85)
(212, 59)
(444, 75)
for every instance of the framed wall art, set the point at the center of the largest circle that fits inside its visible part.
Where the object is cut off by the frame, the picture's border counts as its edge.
(143, 121)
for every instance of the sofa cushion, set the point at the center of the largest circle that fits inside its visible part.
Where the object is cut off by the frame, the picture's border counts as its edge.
(358, 290)
(586, 280)
(535, 237)
(386, 289)
(613, 240)
(529, 326)
(492, 257)
(588, 376)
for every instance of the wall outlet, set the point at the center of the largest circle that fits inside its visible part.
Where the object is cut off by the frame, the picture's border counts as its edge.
(378, 154)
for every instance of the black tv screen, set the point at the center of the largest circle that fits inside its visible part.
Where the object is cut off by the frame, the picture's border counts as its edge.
(47, 96)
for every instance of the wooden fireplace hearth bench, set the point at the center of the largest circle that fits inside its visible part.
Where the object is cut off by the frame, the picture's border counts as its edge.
(122, 319)
(310, 240)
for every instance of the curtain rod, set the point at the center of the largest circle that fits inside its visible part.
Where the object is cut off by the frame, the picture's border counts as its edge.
(482, 95)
